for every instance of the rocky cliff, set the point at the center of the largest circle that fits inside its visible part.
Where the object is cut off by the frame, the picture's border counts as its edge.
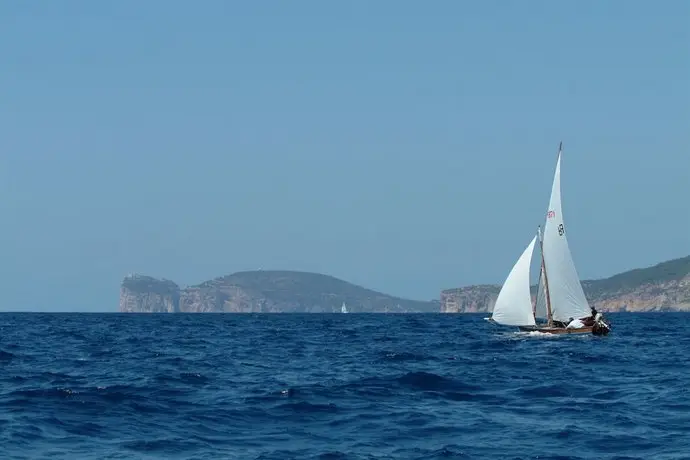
(663, 287)
(261, 291)
(144, 293)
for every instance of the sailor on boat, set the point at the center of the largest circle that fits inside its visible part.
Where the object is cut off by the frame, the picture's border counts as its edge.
(590, 320)
(600, 326)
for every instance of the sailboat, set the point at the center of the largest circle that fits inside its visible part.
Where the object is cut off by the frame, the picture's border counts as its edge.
(561, 306)
(343, 308)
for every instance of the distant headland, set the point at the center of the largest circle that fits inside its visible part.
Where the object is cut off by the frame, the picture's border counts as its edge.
(663, 287)
(262, 291)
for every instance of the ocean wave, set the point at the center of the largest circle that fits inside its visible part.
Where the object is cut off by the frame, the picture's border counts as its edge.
(338, 387)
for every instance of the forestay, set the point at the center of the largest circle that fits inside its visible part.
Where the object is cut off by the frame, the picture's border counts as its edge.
(565, 291)
(514, 303)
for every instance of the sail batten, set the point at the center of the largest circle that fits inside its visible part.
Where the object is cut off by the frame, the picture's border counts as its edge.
(513, 305)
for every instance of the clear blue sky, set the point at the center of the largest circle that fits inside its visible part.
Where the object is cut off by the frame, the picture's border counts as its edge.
(405, 146)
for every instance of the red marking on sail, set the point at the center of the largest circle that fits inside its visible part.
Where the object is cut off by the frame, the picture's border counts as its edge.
(550, 214)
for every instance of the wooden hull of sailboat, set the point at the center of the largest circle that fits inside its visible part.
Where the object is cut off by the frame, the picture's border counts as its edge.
(600, 330)
(559, 330)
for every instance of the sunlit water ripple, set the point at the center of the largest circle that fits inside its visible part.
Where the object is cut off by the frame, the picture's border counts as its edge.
(99, 386)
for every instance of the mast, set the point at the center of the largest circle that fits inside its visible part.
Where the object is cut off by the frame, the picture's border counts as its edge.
(546, 281)
(536, 299)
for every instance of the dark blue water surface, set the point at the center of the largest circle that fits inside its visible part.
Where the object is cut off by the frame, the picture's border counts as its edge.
(112, 386)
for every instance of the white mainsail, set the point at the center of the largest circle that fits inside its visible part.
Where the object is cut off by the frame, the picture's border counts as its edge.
(343, 308)
(565, 291)
(514, 303)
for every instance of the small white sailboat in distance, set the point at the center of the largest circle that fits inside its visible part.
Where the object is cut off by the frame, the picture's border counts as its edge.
(343, 308)
(561, 301)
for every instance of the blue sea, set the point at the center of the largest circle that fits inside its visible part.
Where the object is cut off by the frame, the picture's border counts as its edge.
(334, 386)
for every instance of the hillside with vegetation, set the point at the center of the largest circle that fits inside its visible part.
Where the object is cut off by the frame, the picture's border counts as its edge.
(662, 287)
(262, 291)
(660, 274)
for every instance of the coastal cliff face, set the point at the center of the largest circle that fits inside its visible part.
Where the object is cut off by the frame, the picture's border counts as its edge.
(670, 295)
(261, 291)
(663, 287)
(470, 299)
(144, 293)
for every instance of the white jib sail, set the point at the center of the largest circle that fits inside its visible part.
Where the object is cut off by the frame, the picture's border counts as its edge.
(565, 291)
(514, 303)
